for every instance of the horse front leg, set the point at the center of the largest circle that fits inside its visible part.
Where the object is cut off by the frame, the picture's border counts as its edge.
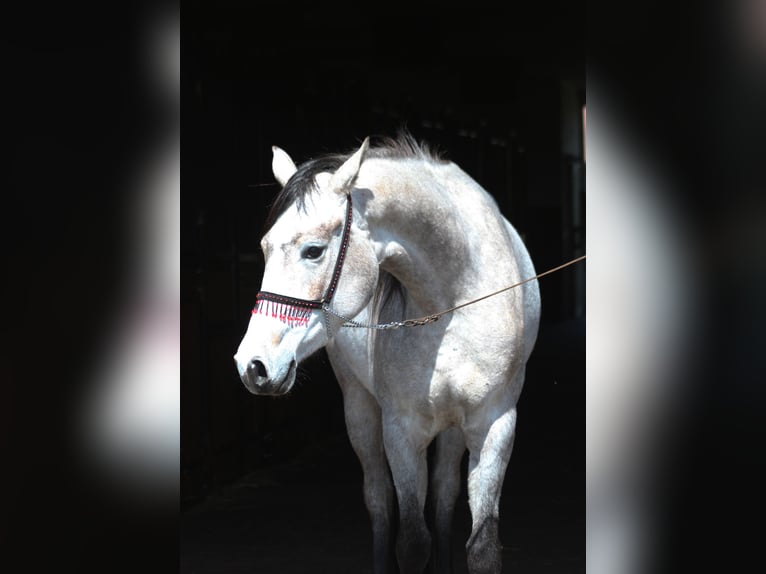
(363, 424)
(406, 452)
(445, 487)
(490, 442)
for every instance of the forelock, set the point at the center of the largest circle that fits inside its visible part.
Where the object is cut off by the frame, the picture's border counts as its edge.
(301, 185)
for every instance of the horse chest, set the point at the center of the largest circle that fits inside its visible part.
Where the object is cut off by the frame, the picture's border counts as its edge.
(403, 372)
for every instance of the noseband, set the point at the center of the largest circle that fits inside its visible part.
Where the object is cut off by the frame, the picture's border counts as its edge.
(296, 312)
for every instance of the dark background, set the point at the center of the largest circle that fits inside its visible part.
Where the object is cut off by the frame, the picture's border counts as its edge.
(689, 83)
(500, 91)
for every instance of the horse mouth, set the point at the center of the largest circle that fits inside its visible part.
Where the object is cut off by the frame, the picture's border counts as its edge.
(283, 387)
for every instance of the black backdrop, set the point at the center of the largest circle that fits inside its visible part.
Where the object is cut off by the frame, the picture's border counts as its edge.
(500, 91)
(78, 117)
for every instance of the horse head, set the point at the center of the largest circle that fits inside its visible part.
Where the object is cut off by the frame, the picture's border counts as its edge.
(317, 253)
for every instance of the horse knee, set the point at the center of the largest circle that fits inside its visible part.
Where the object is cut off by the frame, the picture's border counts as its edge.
(445, 485)
(378, 494)
(483, 548)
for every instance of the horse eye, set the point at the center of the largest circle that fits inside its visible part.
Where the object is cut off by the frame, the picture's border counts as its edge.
(313, 252)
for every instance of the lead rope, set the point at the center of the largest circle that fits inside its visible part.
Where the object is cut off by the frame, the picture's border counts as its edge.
(419, 322)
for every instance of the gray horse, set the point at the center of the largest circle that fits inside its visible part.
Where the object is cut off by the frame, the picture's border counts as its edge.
(389, 233)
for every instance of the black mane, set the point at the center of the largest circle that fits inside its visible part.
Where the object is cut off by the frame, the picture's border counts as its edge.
(301, 184)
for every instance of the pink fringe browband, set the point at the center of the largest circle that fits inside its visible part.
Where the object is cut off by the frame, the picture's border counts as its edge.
(288, 314)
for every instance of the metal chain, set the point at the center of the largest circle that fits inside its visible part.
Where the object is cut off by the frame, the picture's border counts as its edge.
(419, 322)
(348, 322)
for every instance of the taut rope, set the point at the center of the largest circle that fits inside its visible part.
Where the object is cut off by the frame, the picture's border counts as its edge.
(419, 322)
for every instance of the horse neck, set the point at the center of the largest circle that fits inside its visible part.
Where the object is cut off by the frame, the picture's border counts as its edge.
(421, 234)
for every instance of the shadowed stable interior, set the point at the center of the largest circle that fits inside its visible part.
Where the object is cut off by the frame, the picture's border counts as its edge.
(272, 485)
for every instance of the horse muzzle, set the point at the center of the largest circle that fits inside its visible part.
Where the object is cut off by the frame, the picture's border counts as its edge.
(258, 379)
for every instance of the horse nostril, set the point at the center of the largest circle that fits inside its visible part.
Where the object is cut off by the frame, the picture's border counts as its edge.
(259, 367)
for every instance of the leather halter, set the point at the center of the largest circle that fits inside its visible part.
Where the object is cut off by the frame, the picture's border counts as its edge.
(295, 311)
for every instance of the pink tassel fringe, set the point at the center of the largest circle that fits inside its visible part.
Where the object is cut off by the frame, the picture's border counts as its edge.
(288, 314)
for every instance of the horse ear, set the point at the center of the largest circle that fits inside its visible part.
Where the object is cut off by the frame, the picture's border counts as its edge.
(344, 177)
(282, 166)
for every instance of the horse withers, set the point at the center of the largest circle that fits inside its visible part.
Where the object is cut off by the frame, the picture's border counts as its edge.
(356, 244)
